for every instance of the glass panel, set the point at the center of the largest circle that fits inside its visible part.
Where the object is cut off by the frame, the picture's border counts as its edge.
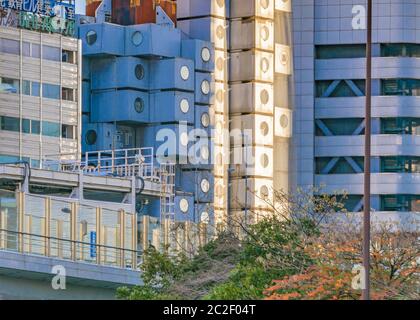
(34, 224)
(340, 51)
(86, 233)
(51, 53)
(50, 129)
(9, 46)
(35, 127)
(400, 50)
(51, 91)
(9, 220)
(26, 126)
(10, 124)
(9, 85)
(400, 87)
(36, 51)
(26, 48)
(60, 227)
(36, 88)
(128, 243)
(26, 87)
(111, 237)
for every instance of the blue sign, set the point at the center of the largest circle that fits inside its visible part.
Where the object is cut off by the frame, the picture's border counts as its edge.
(50, 8)
(93, 244)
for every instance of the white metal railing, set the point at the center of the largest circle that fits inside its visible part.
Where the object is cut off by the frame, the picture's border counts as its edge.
(120, 163)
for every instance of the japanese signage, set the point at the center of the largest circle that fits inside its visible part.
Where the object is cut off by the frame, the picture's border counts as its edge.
(39, 15)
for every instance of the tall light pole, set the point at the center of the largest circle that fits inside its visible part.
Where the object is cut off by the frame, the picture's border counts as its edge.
(368, 132)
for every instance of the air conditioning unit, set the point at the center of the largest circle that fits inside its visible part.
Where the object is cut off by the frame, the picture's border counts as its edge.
(283, 5)
(283, 122)
(252, 161)
(251, 97)
(255, 130)
(252, 65)
(255, 193)
(252, 33)
(283, 59)
(250, 8)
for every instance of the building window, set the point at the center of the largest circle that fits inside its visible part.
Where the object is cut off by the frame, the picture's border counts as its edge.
(51, 91)
(67, 94)
(67, 131)
(91, 37)
(400, 87)
(400, 203)
(400, 164)
(9, 85)
(400, 50)
(409, 126)
(330, 165)
(91, 137)
(139, 72)
(26, 126)
(51, 53)
(339, 88)
(344, 51)
(50, 129)
(30, 88)
(68, 56)
(10, 124)
(35, 127)
(339, 127)
(31, 50)
(9, 46)
(139, 105)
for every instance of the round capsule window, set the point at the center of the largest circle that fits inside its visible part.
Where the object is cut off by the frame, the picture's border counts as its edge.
(137, 38)
(139, 72)
(219, 127)
(205, 87)
(219, 64)
(264, 128)
(220, 3)
(220, 32)
(183, 205)
(91, 137)
(219, 96)
(265, 65)
(264, 3)
(264, 160)
(264, 192)
(205, 120)
(139, 105)
(185, 73)
(265, 33)
(205, 54)
(91, 37)
(284, 121)
(264, 96)
(205, 185)
(184, 105)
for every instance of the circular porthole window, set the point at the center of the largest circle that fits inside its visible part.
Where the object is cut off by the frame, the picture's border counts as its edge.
(205, 87)
(91, 37)
(220, 32)
(184, 105)
(264, 3)
(205, 185)
(205, 54)
(204, 217)
(183, 139)
(284, 58)
(91, 137)
(264, 128)
(264, 160)
(284, 121)
(219, 191)
(137, 38)
(221, 3)
(183, 205)
(139, 72)
(264, 192)
(265, 65)
(219, 127)
(264, 96)
(265, 33)
(204, 153)
(185, 73)
(205, 120)
(139, 105)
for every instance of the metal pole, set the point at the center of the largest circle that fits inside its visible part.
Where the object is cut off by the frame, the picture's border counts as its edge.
(368, 132)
